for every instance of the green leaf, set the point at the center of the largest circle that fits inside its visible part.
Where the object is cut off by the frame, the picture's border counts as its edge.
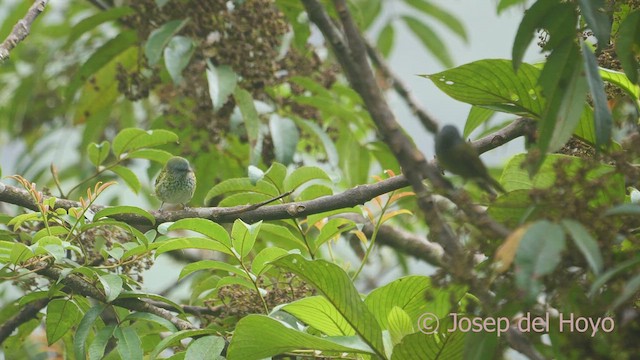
(128, 176)
(596, 17)
(129, 344)
(177, 56)
(119, 210)
(20, 253)
(400, 324)
(587, 245)
(249, 342)
(336, 286)
(630, 289)
(505, 4)
(538, 254)
(319, 313)
(98, 153)
(192, 243)
(623, 209)
(385, 39)
(609, 274)
(303, 175)
(242, 185)
(207, 347)
(151, 318)
(493, 84)
(327, 143)
(438, 13)
(61, 316)
(565, 86)
(175, 338)
(260, 262)
(205, 227)
(331, 229)
(477, 116)
(82, 333)
(430, 40)
(211, 265)
(275, 175)
(313, 192)
(281, 236)
(160, 37)
(559, 19)
(622, 81)
(159, 156)
(603, 119)
(101, 57)
(99, 344)
(133, 139)
(628, 45)
(93, 21)
(112, 285)
(431, 346)
(243, 236)
(244, 100)
(285, 136)
(222, 82)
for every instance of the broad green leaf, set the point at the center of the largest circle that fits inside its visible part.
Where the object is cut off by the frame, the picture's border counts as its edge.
(281, 236)
(211, 265)
(622, 81)
(538, 254)
(20, 253)
(558, 18)
(331, 229)
(205, 227)
(128, 176)
(222, 82)
(192, 243)
(112, 285)
(385, 39)
(327, 143)
(336, 286)
(160, 37)
(129, 344)
(303, 175)
(249, 342)
(134, 139)
(98, 153)
(438, 13)
(243, 199)
(319, 313)
(119, 210)
(505, 4)
(587, 245)
(623, 209)
(159, 156)
(596, 17)
(369, 11)
(176, 337)
(93, 21)
(630, 289)
(285, 136)
(177, 56)
(241, 185)
(260, 262)
(602, 114)
(565, 86)
(481, 345)
(313, 192)
(62, 314)
(477, 116)
(235, 280)
(244, 100)
(151, 318)
(82, 332)
(207, 347)
(243, 236)
(101, 57)
(99, 344)
(493, 84)
(400, 324)
(628, 45)
(431, 346)
(430, 40)
(275, 175)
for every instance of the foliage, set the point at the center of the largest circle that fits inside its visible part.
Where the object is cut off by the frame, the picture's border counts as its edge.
(286, 256)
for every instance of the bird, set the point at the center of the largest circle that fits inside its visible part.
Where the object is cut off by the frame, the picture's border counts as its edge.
(456, 155)
(176, 182)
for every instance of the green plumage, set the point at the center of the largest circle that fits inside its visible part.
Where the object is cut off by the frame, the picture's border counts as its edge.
(176, 182)
(459, 157)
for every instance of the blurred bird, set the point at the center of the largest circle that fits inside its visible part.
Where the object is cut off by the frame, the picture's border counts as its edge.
(176, 182)
(459, 157)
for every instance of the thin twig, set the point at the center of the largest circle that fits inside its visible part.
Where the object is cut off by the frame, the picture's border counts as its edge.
(21, 30)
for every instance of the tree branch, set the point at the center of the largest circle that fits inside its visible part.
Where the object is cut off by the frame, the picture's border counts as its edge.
(520, 127)
(25, 314)
(84, 288)
(21, 29)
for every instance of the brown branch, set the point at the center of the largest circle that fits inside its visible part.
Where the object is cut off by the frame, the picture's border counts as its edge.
(26, 313)
(426, 120)
(21, 30)
(78, 285)
(520, 127)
